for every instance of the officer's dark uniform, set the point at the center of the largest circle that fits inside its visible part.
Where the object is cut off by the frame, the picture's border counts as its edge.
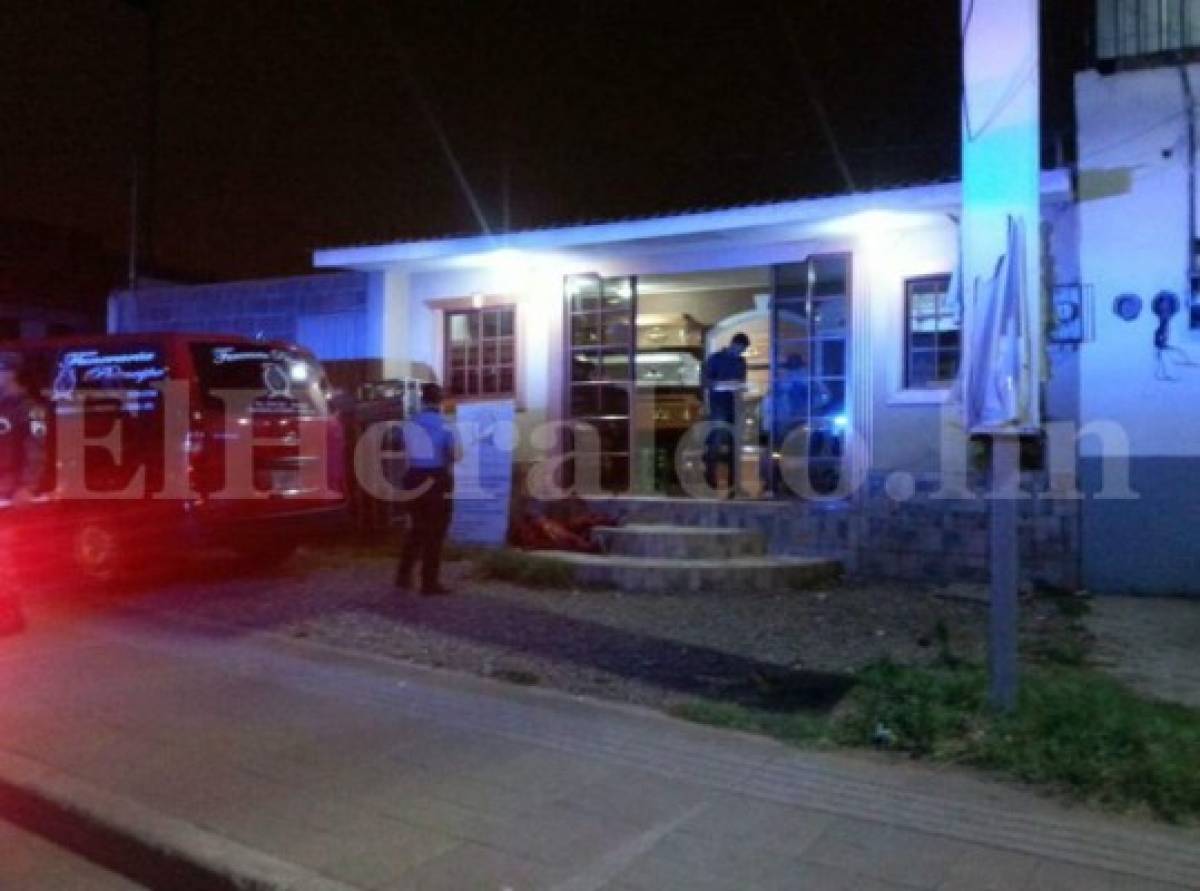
(431, 449)
(723, 367)
(21, 457)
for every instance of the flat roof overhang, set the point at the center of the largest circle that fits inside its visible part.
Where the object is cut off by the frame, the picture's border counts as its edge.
(812, 217)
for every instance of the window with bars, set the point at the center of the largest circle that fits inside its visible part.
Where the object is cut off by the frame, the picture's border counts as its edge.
(480, 349)
(933, 333)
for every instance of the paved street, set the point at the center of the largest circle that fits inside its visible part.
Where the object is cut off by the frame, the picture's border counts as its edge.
(30, 863)
(383, 776)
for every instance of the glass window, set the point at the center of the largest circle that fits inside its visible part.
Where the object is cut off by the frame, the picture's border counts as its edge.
(583, 292)
(108, 379)
(280, 379)
(480, 351)
(829, 275)
(601, 340)
(932, 334)
(829, 317)
(462, 328)
(808, 399)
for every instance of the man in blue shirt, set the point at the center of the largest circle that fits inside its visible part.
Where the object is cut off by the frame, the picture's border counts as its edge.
(724, 379)
(431, 450)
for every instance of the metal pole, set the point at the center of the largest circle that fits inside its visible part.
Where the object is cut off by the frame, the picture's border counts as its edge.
(1005, 564)
(134, 223)
(148, 186)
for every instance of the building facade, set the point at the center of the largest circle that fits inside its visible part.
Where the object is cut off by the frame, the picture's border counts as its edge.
(1140, 389)
(856, 333)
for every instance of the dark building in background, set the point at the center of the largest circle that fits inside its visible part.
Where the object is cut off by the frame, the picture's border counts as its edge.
(53, 280)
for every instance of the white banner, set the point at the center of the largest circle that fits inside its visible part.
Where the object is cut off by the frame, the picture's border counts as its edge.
(483, 479)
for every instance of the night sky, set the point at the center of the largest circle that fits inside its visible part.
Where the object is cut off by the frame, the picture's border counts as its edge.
(283, 126)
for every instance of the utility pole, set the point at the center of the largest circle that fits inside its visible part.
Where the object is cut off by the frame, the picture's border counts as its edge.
(145, 160)
(1001, 282)
(1005, 572)
(134, 221)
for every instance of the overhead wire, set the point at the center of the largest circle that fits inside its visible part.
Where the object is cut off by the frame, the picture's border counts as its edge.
(1132, 137)
(1010, 94)
(815, 100)
(968, 16)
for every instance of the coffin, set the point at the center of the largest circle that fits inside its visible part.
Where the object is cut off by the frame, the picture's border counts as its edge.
(668, 369)
(665, 331)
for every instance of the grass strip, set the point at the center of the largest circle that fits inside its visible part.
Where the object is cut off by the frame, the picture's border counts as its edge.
(1075, 730)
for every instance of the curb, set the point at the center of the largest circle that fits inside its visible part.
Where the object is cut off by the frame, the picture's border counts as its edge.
(148, 847)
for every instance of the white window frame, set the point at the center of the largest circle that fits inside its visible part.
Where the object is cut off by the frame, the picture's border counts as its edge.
(900, 393)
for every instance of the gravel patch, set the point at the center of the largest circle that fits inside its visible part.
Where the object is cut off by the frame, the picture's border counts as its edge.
(779, 650)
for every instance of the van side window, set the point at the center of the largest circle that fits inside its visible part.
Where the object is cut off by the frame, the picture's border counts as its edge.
(112, 388)
(277, 378)
(124, 374)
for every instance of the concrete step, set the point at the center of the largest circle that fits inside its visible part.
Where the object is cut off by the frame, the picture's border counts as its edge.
(666, 575)
(679, 542)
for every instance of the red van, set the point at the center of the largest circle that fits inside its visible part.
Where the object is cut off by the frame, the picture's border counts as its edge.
(161, 442)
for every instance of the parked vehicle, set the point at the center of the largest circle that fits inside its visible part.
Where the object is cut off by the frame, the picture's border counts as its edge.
(158, 443)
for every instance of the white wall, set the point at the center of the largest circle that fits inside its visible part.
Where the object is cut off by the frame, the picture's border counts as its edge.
(1134, 234)
(1133, 229)
(906, 428)
(536, 292)
(388, 326)
(902, 430)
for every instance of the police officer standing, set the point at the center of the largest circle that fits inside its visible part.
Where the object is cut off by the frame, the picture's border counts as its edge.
(431, 450)
(21, 456)
(724, 381)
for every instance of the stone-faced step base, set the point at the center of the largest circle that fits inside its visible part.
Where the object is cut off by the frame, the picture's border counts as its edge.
(675, 576)
(680, 542)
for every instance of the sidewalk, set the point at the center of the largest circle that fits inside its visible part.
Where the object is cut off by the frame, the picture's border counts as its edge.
(380, 776)
(1150, 643)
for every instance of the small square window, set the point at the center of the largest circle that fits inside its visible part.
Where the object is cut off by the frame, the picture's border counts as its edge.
(479, 351)
(932, 333)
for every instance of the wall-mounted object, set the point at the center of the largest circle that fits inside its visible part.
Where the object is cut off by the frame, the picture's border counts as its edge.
(1128, 307)
(1165, 305)
(1070, 313)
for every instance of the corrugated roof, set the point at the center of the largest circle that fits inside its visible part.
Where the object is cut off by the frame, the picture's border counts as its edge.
(641, 218)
